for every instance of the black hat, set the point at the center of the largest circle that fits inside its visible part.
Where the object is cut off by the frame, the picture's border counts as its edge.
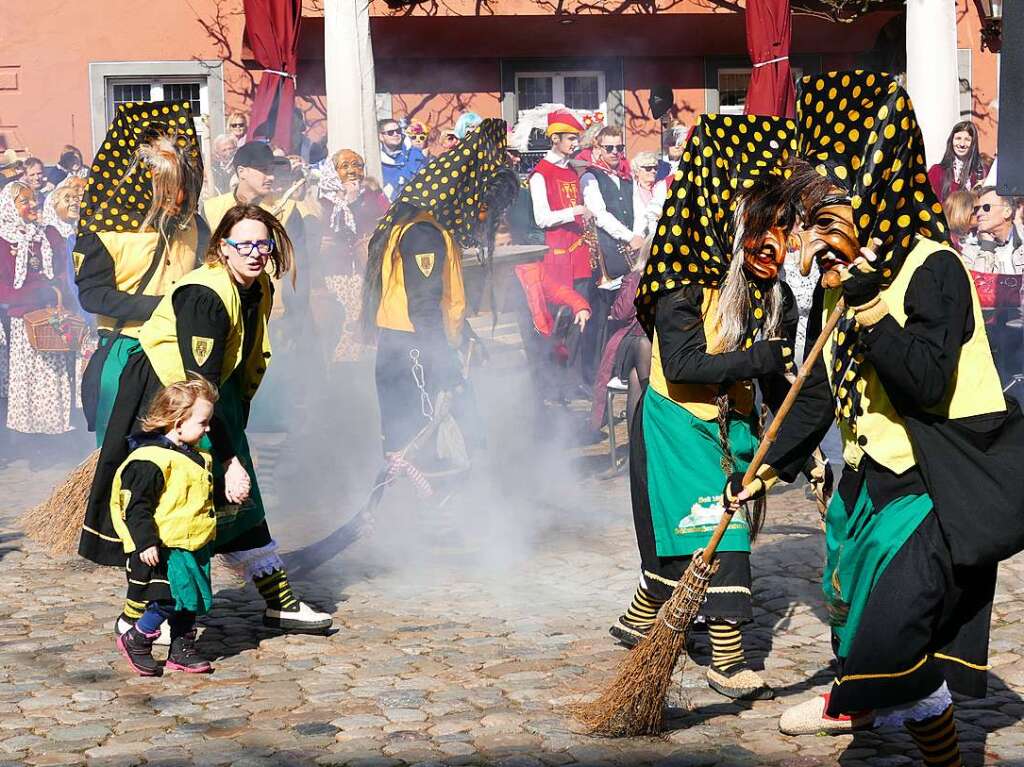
(254, 154)
(660, 100)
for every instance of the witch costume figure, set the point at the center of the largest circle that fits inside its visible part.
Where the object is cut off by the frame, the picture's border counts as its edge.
(214, 323)
(414, 302)
(930, 499)
(138, 234)
(719, 319)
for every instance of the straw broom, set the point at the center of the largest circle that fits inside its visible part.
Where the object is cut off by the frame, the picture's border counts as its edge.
(634, 704)
(56, 523)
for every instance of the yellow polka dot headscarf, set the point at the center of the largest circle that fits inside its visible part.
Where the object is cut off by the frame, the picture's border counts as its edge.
(693, 243)
(120, 187)
(452, 186)
(859, 130)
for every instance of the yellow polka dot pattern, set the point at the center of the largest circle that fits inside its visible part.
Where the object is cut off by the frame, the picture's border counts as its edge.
(451, 186)
(858, 128)
(119, 191)
(693, 241)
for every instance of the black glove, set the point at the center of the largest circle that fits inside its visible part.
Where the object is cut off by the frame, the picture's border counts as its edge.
(782, 352)
(861, 285)
(734, 486)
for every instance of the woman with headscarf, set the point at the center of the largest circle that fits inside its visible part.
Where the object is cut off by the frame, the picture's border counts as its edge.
(719, 319)
(928, 502)
(138, 234)
(33, 263)
(962, 166)
(413, 300)
(353, 205)
(214, 323)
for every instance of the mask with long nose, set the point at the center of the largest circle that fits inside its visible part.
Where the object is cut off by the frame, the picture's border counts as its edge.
(829, 237)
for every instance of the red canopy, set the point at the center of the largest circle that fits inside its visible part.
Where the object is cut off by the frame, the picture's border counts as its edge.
(272, 30)
(769, 29)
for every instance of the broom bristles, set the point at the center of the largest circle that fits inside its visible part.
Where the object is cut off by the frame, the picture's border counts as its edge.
(56, 523)
(634, 704)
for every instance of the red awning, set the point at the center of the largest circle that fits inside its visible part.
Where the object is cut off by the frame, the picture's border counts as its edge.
(769, 28)
(272, 34)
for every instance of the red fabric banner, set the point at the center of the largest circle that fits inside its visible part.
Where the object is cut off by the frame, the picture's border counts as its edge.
(272, 31)
(769, 29)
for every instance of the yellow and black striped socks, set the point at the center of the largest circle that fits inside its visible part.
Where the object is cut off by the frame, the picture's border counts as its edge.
(643, 609)
(937, 739)
(133, 610)
(276, 591)
(726, 646)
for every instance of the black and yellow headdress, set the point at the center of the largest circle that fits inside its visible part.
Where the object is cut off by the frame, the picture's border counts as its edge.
(858, 129)
(119, 193)
(453, 186)
(694, 241)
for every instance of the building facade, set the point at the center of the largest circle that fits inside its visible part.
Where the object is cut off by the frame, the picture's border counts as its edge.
(65, 66)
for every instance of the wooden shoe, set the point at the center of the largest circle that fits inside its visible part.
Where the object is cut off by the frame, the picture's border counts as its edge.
(809, 718)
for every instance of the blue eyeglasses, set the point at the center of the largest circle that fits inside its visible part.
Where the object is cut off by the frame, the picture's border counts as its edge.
(245, 248)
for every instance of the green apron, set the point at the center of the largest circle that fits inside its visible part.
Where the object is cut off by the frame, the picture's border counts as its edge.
(859, 544)
(110, 379)
(189, 575)
(234, 519)
(685, 477)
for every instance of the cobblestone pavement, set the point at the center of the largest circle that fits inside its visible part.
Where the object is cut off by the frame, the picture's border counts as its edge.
(465, 629)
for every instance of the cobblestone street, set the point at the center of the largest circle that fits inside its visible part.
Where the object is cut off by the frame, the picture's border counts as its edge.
(457, 656)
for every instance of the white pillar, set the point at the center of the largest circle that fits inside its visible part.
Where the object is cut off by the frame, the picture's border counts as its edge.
(350, 84)
(932, 79)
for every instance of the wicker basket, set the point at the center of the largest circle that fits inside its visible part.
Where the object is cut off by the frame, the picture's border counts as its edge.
(54, 329)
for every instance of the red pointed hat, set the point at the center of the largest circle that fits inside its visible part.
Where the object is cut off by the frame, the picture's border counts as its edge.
(562, 121)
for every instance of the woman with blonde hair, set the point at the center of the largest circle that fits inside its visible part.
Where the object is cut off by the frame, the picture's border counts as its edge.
(959, 209)
(214, 323)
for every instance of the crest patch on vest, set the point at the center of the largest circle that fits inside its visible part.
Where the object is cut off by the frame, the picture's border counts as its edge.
(77, 259)
(425, 262)
(202, 348)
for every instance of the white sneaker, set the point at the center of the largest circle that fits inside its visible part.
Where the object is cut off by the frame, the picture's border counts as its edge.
(121, 626)
(303, 619)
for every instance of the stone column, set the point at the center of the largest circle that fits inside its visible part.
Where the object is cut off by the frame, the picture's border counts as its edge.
(932, 78)
(350, 84)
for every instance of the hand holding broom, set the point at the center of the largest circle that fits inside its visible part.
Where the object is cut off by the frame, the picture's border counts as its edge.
(634, 703)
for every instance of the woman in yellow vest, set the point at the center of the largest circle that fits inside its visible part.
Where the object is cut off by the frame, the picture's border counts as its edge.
(930, 498)
(414, 304)
(162, 510)
(711, 301)
(137, 235)
(214, 323)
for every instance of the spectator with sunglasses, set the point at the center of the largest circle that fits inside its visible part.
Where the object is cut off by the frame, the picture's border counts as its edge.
(399, 163)
(238, 126)
(997, 248)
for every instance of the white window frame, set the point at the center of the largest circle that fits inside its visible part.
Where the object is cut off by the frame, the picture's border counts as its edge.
(558, 85)
(965, 76)
(737, 109)
(209, 74)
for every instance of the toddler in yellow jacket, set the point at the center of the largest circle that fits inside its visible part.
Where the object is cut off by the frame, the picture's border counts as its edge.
(162, 508)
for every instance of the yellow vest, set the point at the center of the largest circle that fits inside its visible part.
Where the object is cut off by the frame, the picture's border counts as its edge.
(393, 312)
(975, 389)
(132, 253)
(699, 399)
(184, 515)
(159, 337)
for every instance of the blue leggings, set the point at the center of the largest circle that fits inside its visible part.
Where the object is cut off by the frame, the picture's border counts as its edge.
(181, 621)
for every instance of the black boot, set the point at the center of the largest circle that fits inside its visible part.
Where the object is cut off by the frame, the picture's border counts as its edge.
(137, 648)
(183, 656)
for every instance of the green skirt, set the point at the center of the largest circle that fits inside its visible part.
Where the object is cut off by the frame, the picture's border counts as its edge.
(189, 576)
(685, 476)
(233, 519)
(859, 545)
(110, 377)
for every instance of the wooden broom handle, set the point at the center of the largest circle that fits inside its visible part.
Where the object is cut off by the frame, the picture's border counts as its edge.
(776, 424)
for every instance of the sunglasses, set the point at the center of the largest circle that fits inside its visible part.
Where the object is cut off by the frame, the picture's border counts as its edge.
(987, 207)
(649, 168)
(245, 248)
(620, 148)
(418, 139)
(392, 132)
(237, 125)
